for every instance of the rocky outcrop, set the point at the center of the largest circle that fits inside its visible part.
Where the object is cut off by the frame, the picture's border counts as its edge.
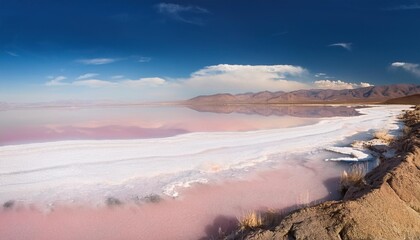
(385, 206)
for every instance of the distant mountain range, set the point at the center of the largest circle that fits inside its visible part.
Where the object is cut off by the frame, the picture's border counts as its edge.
(374, 94)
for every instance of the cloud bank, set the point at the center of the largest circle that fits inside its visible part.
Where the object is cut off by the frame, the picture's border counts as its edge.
(338, 84)
(86, 80)
(222, 78)
(247, 78)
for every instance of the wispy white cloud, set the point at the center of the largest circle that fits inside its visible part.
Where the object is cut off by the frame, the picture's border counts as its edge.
(56, 81)
(144, 59)
(338, 84)
(413, 68)
(80, 81)
(322, 75)
(117, 76)
(347, 46)
(94, 83)
(97, 61)
(414, 6)
(87, 75)
(150, 82)
(178, 12)
(100, 83)
(13, 54)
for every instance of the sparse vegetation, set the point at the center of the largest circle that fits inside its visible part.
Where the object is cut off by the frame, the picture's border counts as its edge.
(111, 201)
(152, 198)
(354, 177)
(9, 204)
(256, 219)
(306, 224)
(406, 130)
(411, 119)
(383, 135)
(251, 220)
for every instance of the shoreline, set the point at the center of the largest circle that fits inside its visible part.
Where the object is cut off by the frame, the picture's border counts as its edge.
(199, 205)
(185, 103)
(197, 214)
(202, 150)
(384, 205)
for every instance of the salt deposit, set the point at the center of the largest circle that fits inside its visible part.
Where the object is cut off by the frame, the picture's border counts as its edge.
(93, 169)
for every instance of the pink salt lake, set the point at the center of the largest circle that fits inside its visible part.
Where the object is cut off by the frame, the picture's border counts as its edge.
(199, 211)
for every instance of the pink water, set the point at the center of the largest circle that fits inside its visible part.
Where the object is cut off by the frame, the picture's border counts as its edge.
(55, 124)
(198, 213)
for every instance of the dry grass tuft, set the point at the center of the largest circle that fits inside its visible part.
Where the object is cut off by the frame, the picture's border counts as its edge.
(352, 178)
(111, 201)
(251, 220)
(383, 135)
(254, 219)
(9, 204)
(406, 130)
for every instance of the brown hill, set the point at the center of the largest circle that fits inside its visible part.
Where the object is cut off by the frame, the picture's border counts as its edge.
(374, 94)
(412, 99)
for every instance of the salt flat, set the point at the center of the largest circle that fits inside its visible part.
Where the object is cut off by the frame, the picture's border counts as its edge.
(90, 170)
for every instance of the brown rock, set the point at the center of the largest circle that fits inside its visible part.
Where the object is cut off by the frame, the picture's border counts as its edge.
(386, 207)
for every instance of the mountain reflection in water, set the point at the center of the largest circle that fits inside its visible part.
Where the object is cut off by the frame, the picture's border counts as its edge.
(304, 111)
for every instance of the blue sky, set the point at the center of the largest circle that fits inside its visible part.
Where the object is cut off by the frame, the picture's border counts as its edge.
(162, 50)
